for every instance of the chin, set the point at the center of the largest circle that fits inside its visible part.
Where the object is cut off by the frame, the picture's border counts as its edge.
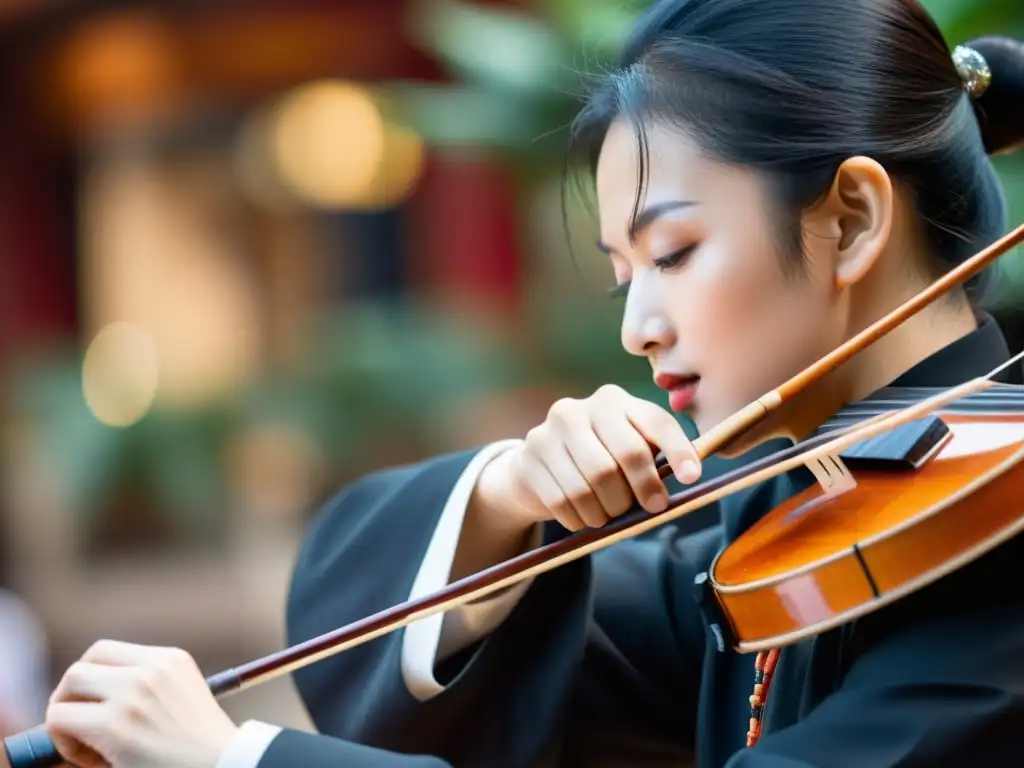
(702, 418)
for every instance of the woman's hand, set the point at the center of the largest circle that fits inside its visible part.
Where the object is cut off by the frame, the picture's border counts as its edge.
(587, 462)
(134, 706)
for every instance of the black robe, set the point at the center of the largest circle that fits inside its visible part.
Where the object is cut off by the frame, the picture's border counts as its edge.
(609, 662)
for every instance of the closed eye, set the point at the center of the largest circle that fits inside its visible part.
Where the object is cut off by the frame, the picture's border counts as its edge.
(664, 264)
(674, 259)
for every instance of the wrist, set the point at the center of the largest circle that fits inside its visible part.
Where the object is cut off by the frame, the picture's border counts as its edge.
(493, 505)
(248, 745)
(225, 737)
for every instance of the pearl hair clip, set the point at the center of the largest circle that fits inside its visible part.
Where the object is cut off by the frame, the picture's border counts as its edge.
(973, 70)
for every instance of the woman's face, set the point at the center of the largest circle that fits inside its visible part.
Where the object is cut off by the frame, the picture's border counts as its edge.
(709, 303)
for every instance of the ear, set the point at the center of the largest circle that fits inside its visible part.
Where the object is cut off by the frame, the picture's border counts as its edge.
(856, 217)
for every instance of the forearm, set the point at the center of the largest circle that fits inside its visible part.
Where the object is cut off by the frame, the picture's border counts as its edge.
(471, 535)
(386, 693)
(485, 542)
(490, 534)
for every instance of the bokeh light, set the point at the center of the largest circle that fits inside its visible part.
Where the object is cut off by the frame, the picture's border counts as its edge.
(328, 142)
(120, 374)
(331, 147)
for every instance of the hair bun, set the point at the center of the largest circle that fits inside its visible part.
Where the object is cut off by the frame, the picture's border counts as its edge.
(1000, 109)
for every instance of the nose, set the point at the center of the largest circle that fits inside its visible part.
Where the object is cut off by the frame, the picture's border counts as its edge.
(643, 334)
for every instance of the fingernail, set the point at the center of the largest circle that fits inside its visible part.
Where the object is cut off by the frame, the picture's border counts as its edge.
(657, 503)
(688, 472)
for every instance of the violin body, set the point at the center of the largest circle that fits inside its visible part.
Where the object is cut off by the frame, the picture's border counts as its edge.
(863, 538)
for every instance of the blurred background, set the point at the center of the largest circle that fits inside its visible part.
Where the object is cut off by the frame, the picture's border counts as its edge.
(250, 251)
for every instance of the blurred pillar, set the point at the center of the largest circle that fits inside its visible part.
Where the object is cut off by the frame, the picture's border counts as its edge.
(37, 275)
(466, 245)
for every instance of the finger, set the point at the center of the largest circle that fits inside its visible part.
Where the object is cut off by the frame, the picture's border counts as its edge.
(574, 485)
(550, 494)
(632, 453)
(117, 653)
(85, 681)
(661, 429)
(77, 754)
(601, 471)
(77, 724)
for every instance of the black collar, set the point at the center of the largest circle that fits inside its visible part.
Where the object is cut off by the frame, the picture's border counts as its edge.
(973, 355)
(976, 354)
(970, 356)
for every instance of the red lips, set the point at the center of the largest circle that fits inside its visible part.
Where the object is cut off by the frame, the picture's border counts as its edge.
(682, 390)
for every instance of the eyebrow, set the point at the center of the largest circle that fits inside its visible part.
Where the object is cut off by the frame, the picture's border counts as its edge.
(648, 216)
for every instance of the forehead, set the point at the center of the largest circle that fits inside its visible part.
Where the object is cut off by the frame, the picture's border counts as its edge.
(672, 165)
(675, 170)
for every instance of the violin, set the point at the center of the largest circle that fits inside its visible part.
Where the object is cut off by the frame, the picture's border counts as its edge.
(914, 489)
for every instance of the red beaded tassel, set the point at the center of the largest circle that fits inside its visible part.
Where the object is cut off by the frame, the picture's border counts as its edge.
(764, 669)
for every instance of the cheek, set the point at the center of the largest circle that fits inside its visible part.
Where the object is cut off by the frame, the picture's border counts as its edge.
(747, 328)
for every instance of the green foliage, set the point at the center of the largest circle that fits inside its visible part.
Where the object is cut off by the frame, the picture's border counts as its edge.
(379, 374)
(521, 104)
(382, 372)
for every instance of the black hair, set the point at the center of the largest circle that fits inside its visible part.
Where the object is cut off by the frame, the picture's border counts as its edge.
(792, 88)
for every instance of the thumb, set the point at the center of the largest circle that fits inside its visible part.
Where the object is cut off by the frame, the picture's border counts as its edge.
(71, 725)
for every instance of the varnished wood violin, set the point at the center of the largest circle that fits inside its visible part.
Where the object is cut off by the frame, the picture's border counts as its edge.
(911, 487)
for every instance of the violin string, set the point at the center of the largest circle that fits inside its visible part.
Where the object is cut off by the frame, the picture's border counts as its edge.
(1003, 366)
(330, 643)
(555, 554)
(998, 398)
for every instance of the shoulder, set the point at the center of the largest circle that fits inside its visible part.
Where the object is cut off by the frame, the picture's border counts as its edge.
(416, 491)
(429, 477)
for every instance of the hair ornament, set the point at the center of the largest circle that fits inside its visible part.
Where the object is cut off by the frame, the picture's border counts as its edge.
(973, 70)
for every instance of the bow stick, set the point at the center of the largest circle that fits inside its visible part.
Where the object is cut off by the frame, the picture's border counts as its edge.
(35, 749)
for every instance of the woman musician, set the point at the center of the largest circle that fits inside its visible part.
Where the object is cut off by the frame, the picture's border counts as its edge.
(772, 177)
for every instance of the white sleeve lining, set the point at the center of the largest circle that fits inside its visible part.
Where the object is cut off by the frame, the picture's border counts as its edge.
(437, 637)
(249, 745)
